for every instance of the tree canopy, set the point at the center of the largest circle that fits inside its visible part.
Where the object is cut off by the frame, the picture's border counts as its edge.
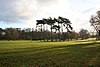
(56, 23)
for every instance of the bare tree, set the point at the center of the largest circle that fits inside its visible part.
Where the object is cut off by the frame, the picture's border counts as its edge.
(11, 33)
(84, 34)
(95, 22)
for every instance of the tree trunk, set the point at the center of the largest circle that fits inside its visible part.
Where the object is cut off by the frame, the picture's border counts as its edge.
(59, 35)
(68, 35)
(41, 34)
(51, 34)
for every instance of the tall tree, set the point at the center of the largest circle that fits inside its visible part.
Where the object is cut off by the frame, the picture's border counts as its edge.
(67, 25)
(57, 28)
(41, 23)
(51, 22)
(95, 22)
(60, 24)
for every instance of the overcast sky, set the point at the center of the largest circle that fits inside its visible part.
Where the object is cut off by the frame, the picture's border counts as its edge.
(24, 13)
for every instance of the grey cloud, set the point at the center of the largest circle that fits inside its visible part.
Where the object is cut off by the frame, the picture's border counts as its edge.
(21, 10)
(7, 13)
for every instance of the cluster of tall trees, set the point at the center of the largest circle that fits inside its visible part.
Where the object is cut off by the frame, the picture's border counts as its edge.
(57, 24)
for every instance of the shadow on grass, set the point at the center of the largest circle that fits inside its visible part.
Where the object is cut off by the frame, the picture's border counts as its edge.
(77, 45)
(45, 49)
(76, 55)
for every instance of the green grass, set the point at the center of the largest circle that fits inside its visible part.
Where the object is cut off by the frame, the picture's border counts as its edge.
(80, 53)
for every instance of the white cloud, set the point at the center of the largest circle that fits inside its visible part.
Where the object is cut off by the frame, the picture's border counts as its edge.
(61, 8)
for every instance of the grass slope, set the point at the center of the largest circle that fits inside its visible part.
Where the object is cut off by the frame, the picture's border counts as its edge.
(49, 54)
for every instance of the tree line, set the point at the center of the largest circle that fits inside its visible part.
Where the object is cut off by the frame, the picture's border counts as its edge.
(47, 29)
(36, 34)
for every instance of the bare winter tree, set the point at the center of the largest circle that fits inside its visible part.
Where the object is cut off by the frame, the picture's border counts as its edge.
(95, 22)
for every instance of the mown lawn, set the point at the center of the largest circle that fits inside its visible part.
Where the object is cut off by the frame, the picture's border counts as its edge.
(49, 54)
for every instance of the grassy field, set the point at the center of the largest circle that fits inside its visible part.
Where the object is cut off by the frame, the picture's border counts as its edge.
(80, 53)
